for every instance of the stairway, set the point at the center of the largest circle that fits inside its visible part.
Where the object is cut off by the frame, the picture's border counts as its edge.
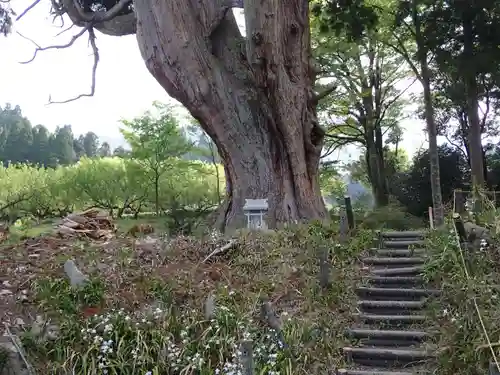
(389, 338)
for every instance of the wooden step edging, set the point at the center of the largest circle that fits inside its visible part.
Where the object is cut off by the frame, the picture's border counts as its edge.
(396, 252)
(402, 244)
(367, 291)
(376, 318)
(384, 280)
(406, 305)
(398, 271)
(402, 234)
(385, 334)
(385, 353)
(376, 372)
(381, 261)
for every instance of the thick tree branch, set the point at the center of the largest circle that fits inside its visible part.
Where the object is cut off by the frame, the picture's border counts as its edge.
(109, 22)
(341, 140)
(323, 94)
(381, 115)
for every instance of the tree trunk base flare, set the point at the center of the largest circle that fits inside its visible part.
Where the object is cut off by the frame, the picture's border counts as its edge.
(253, 96)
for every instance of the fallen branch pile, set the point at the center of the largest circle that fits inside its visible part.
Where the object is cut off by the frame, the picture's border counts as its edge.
(92, 223)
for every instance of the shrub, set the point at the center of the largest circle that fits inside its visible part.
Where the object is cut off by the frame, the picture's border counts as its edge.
(391, 217)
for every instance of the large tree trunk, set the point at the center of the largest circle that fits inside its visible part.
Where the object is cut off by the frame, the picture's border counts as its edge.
(437, 199)
(252, 96)
(425, 80)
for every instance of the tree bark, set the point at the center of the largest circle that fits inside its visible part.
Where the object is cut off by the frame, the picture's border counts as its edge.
(252, 96)
(425, 79)
(474, 134)
(437, 199)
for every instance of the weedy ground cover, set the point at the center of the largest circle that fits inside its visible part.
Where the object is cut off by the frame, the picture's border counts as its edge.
(467, 314)
(143, 310)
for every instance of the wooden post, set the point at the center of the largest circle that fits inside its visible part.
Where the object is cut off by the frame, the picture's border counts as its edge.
(324, 267)
(431, 218)
(349, 212)
(493, 369)
(377, 240)
(343, 226)
(459, 225)
(246, 359)
(459, 199)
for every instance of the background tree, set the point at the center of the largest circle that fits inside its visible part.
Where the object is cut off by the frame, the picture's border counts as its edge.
(91, 144)
(104, 150)
(61, 145)
(467, 70)
(411, 187)
(368, 105)
(120, 152)
(40, 153)
(155, 139)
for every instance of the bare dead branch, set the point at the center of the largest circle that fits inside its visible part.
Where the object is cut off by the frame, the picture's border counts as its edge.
(61, 46)
(29, 39)
(95, 50)
(57, 10)
(24, 12)
(65, 30)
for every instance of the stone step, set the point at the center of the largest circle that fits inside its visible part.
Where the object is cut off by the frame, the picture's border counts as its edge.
(402, 234)
(403, 244)
(392, 281)
(359, 333)
(396, 292)
(387, 353)
(380, 372)
(382, 261)
(390, 319)
(397, 252)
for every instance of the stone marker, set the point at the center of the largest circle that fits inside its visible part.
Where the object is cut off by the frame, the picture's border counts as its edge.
(14, 364)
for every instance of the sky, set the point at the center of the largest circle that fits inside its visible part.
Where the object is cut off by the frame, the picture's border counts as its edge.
(125, 88)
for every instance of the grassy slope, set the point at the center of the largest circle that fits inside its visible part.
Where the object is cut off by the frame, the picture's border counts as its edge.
(457, 324)
(281, 267)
